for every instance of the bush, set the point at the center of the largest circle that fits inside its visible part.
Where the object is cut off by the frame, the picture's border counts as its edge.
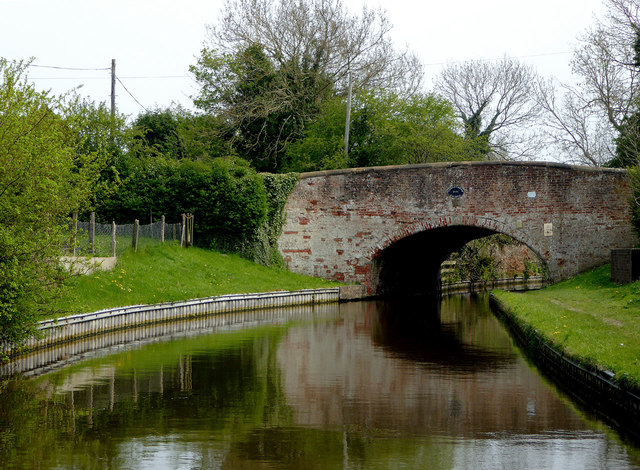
(226, 196)
(44, 177)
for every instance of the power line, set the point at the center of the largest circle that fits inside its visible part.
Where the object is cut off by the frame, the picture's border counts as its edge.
(156, 76)
(134, 98)
(66, 78)
(66, 68)
(149, 77)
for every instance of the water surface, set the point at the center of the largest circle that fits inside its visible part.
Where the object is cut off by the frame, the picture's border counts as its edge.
(361, 385)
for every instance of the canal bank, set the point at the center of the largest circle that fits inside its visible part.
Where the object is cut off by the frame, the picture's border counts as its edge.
(79, 326)
(587, 378)
(74, 327)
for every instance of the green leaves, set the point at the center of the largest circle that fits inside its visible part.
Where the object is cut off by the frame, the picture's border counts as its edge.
(43, 179)
(225, 194)
(386, 129)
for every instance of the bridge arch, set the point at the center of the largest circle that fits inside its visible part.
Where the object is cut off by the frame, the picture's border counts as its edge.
(347, 225)
(407, 263)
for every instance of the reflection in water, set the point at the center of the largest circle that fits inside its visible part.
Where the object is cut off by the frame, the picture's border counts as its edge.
(362, 385)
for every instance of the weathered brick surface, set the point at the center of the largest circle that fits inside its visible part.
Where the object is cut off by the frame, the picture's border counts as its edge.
(339, 222)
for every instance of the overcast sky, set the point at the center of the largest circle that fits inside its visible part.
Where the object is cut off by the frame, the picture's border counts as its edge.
(155, 41)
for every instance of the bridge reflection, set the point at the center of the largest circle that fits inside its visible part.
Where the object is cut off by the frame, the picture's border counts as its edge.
(420, 369)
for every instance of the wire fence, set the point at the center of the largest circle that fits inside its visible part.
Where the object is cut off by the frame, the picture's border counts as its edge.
(105, 240)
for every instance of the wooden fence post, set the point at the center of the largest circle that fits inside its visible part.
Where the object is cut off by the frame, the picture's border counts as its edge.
(192, 222)
(113, 239)
(189, 221)
(182, 235)
(136, 228)
(74, 235)
(162, 230)
(92, 234)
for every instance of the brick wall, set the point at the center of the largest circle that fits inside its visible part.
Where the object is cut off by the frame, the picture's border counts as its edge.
(346, 225)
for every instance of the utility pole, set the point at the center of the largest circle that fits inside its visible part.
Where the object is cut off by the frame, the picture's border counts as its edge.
(348, 121)
(113, 88)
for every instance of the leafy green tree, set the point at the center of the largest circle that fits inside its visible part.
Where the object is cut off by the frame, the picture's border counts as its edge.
(269, 66)
(105, 136)
(159, 131)
(262, 108)
(627, 144)
(387, 129)
(177, 133)
(44, 177)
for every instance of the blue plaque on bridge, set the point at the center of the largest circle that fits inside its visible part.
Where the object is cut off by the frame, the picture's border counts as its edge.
(455, 192)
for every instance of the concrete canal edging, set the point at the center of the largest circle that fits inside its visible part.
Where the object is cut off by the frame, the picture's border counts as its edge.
(74, 327)
(509, 284)
(594, 388)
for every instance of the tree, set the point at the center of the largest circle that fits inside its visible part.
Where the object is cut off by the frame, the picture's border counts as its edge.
(606, 62)
(495, 102)
(596, 116)
(573, 124)
(387, 129)
(43, 179)
(177, 133)
(269, 66)
(159, 131)
(319, 39)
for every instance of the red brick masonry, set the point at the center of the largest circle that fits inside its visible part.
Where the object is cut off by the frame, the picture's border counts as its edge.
(339, 222)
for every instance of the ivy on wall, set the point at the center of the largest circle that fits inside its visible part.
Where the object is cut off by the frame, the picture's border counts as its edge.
(262, 245)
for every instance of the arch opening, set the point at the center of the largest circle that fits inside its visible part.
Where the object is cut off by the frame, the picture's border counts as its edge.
(412, 265)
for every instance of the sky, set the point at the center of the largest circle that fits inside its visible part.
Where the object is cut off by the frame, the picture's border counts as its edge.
(155, 41)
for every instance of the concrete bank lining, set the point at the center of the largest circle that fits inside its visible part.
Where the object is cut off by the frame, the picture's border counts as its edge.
(509, 284)
(44, 360)
(78, 326)
(594, 389)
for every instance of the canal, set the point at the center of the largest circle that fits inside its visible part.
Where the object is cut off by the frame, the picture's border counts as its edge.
(375, 385)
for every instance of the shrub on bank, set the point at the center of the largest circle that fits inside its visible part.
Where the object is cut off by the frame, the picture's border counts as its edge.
(235, 208)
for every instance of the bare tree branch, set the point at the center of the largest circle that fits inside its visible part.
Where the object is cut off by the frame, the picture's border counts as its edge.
(495, 102)
(319, 35)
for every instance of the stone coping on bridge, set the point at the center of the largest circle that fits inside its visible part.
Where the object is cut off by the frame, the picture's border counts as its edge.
(312, 174)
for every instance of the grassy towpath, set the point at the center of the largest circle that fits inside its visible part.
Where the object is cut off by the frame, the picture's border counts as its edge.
(167, 273)
(590, 318)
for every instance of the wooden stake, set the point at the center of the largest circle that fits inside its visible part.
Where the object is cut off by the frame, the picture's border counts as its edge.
(74, 235)
(136, 228)
(92, 234)
(182, 235)
(113, 239)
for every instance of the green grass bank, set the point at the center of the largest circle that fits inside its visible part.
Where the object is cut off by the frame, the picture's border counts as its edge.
(167, 273)
(588, 318)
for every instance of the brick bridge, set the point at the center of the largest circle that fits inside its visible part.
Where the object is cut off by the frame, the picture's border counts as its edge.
(390, 228)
